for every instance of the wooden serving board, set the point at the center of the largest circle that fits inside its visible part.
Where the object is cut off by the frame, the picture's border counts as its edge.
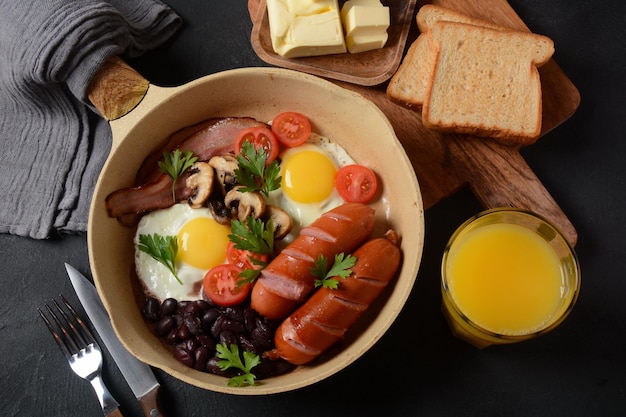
(497, 175)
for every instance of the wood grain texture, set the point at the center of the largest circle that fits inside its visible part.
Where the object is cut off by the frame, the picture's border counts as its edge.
(497, 175)
(116, 89)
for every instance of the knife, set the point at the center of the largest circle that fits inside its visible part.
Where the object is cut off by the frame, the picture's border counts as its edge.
(139, 376)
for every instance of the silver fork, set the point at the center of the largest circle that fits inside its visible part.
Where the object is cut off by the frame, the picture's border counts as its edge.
(81, 351)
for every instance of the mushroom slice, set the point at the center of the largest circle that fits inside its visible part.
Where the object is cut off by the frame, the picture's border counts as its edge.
(200, 181)
(246, 203)
(282, 220)
(219, 211)
(225, 166)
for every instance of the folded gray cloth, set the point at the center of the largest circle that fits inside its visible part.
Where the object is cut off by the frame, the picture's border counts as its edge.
(53, 143)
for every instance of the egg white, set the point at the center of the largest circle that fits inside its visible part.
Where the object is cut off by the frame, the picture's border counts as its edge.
(156, 278)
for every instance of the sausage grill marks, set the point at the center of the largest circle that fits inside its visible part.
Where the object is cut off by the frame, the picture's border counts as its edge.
(325, 317)
(287, 280)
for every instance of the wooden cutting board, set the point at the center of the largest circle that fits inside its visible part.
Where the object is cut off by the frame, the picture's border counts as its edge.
(497, 175)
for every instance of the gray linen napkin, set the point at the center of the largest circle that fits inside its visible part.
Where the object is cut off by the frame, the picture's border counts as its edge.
(53, 143)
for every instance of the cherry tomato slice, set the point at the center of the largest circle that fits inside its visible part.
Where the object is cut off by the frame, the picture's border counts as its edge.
(356, 183)
(260, 137)
(291, 128)
(220, 285)
(241, 258)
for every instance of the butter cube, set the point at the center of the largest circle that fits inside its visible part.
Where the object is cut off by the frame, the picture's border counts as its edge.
(365, 24)
(305, 27)
(362, 43)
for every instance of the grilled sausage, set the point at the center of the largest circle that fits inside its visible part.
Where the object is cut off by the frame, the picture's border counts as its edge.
(325, 317)
(287, 281)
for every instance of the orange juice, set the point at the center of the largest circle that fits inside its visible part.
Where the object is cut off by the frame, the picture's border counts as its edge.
(506, 279)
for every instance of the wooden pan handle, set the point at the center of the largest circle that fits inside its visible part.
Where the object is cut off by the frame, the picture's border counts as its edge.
(116, 89)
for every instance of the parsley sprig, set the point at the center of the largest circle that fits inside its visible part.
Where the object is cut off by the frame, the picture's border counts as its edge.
(161, 248)
(253, 174)
(328, 278)
(174, 164)
(230, 358)
(256, 236)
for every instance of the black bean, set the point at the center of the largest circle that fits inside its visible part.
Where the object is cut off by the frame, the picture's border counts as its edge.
(249, 318)
(182, 305)
(179, 319)
(261, 338)
(150, 309)
(190, 345)
(206, 341)
(201, 356)
(202, 305)
(213, 367)
(191, 309)
(164, 326)
(193, 324)
(232, 326)
(227, 338)
(183, 332)
(217, 325)
(168, 307)
(171, 338)
(208, 318)
(184, 356)
(234, 313)
(246, 343)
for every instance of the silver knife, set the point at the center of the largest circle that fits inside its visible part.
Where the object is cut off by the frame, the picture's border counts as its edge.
(139, 376)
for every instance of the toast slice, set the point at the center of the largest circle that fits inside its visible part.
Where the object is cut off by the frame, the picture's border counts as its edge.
(429, 14)
(409, 85)
(486, 82)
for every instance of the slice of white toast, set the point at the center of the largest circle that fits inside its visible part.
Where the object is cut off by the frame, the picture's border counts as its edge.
(410, 83)
(486, 82)
(471, 106)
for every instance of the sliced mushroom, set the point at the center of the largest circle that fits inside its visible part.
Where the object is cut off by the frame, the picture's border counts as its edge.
(201, 182)
(225, 166)
(282, 220)
(219, 211)
(246, 203)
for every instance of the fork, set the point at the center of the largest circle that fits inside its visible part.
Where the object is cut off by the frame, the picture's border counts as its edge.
(81, 351)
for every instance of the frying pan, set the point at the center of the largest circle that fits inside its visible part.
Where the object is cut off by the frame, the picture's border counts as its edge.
(142, 115)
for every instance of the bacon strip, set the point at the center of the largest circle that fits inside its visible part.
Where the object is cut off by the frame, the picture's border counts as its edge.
(205, 140)
(126, 204)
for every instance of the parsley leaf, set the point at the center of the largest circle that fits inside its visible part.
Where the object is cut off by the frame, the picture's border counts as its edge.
(174, 164)
(230, 358)
(252, 172)
(328, 278)
(254, 235)
(161, 248)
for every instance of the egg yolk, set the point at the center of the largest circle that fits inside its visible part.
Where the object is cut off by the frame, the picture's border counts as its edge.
(308, 176)
(202, 243)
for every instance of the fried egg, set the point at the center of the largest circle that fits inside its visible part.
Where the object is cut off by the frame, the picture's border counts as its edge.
(202, 244)
(308, 181)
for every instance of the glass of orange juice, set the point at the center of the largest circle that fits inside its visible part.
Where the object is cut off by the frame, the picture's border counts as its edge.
(507, 275)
